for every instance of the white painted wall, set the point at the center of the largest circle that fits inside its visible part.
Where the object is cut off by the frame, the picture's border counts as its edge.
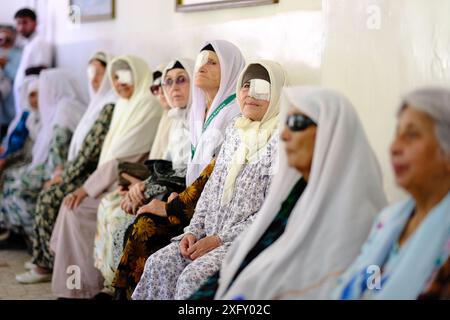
(375, 67)
(328, 42)
(8, 8)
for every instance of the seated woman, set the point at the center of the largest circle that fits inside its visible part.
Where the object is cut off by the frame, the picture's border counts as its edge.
(232, 196)
(30, 73)
(407, 253)
(61, 105)
(21, 139)
(130, 137)
(100, 94)
(112, 221)
(213, 107)
(80, 165)
(319, 208)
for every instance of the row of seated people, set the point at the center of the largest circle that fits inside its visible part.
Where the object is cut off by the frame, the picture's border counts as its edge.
(215, 179)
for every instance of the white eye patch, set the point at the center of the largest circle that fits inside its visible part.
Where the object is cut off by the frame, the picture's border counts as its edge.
(33, 87)
(202, 59)
(125, 77)
(259, 89)
(91, 72)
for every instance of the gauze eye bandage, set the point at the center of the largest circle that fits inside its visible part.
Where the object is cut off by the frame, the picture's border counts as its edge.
(202, 59)
(91, 72)
(33, 87)
(125, 77)
(259, 89)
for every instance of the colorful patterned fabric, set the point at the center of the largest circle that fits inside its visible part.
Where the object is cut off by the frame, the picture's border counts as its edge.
(73, 176)
(149, 233)
(167, 274)
(22, 187)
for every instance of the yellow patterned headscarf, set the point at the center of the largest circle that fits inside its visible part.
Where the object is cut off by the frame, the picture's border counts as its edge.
(254, 135)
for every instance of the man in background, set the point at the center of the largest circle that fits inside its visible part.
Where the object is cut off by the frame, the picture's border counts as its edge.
(36, 51)
(10, 56)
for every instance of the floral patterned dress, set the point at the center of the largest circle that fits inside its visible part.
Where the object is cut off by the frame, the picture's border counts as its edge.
(21, 188)
(73, 177)
(149, 233)
(167, 274)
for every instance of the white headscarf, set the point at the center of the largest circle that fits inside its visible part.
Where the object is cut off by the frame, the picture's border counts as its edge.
(61, 103)
(178, 148)
(105, 95)
(255, 134)
(331, 219)
(135, 120)
(24, 92)
(33, 123)
(208, 143)
(159, 147)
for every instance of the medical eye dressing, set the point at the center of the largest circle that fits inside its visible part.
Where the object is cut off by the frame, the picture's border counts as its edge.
(125, 77)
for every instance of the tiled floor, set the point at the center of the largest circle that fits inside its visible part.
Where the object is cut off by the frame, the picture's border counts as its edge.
(11, 263)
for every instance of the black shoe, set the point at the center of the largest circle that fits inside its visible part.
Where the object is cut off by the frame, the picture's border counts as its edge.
(103, 296)
(14, 242)
(120, 294)
(4, 234)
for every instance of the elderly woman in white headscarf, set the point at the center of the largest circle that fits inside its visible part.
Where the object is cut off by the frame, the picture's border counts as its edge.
(213, 107)
(319, 208)
(232, 196)
(19, 142)
(61, 106)
(407, 253)
(84, 154)
(112, 221)
(214, 102)
(130, 137)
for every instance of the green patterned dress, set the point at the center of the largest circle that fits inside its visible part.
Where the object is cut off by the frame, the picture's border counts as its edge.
(21, 188)
(73, 177)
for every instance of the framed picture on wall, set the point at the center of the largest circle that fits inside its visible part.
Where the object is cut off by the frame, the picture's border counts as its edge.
(93, 10)
(202, 5)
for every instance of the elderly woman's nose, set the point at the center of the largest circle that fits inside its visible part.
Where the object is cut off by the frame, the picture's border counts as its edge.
(202, 69)
(285, 134)
(396, 147)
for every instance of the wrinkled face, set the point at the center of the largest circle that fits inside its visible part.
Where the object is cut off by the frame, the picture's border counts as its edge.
(25, 26)
(176, 87)
(417, 158)
(33, 99)
(299, 146)
(98, 74)
(208, 76)
(251, 108)
(123, 90)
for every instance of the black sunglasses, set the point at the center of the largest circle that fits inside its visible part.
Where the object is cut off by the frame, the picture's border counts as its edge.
(298, 122)
(155, 89)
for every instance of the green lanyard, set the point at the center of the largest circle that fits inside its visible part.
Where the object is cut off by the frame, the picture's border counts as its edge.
(211, 117)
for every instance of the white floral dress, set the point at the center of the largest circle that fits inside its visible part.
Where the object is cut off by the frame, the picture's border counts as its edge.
(168, 275)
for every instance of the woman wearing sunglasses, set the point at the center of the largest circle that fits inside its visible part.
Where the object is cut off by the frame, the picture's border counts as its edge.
(231, 198)
(319, 208)
(116, 212)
